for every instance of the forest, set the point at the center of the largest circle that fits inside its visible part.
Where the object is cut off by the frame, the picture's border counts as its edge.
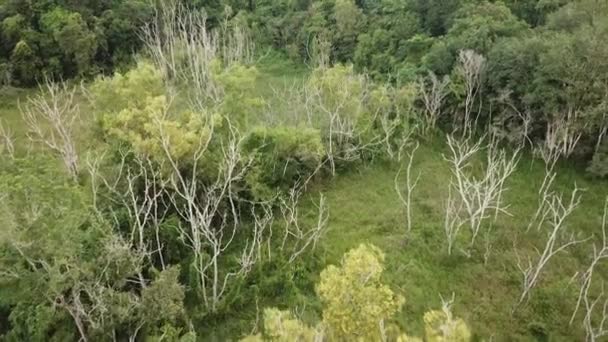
(303, 170)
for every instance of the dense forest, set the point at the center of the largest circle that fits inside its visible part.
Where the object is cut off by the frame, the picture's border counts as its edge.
(303, 170)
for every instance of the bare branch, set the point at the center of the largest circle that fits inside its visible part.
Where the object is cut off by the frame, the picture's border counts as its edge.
(476, 197)
(471, 67)
(433, 92)
(405, 194)
(51, 118)
(585, 297)
(184, 49)
(561, 138)
(557, 211)
(7, 140)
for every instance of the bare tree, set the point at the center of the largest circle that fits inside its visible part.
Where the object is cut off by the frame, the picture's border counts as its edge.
(561, 138)
(138, 188)
(585, 297)
(405, 194)
(289, 106)
(514, 125)
(558, 210)
(300, 237)
(209, 210)
(51, 118)
(478, 197)
(263, 218)
(318, 51)
(602, 133)
(336, 113)
(453, 220)
(7, 140)
(545, 193)
(184, 49)
(237, 45)
(471, 67)
(433, 92)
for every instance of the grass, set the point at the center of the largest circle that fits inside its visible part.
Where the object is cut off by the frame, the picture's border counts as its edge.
(364, 208)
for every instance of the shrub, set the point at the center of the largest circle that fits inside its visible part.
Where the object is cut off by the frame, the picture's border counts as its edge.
(282, 156)
(599, 163)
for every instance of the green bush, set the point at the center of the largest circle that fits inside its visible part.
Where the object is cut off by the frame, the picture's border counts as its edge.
(281, 157)
(599, 163)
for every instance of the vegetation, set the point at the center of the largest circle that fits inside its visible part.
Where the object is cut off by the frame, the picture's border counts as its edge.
(309, 170)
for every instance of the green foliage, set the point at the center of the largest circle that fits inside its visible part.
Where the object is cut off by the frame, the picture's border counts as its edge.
(282, 156)
(63, 39)
(358, 307)
(63, 267)
(281, 326)
(71, 34)
(240, 102)
(476, 26)
(355, 300)
(162, 302)
(131, 90)
(599, 162)
(135, 111)
(440, 326)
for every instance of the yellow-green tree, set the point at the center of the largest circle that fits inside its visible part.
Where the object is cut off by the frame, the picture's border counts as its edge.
(441, 326)
(282, 326)
(358, 307)
(356, 302)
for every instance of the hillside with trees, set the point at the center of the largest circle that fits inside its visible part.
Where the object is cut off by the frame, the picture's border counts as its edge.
(303, 170)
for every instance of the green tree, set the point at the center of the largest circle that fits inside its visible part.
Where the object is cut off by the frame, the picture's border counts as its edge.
(356, 303)
(71, 33)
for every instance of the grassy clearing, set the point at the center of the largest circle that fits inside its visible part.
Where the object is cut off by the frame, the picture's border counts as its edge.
(365, 209)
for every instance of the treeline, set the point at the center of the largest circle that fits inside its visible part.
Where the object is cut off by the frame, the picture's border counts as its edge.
(544, 62)
(544, 71)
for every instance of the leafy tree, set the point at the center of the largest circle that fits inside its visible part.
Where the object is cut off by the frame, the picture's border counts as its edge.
(23, 61)
(440, 326)
(71, 34)
(65, 273)
(69, 38)
(282, 156)
(358, 307)
(282, 326)
(355, 300)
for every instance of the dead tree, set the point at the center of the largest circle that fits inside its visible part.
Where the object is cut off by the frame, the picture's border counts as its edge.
(595, 308)
(478, 197)
(545, 192)
(557, 211)
(51, 118)
(137, 187)
(561, 137)
(318, 51)
(336, 113)
(181, 45)
(602, 133)
(236, 43)
(297, 238)
(471, 68)
(7, 140)
(209, 209)
(453, 221)
(433, 92)
(515, 125)
(405, 193)
(263, 218)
